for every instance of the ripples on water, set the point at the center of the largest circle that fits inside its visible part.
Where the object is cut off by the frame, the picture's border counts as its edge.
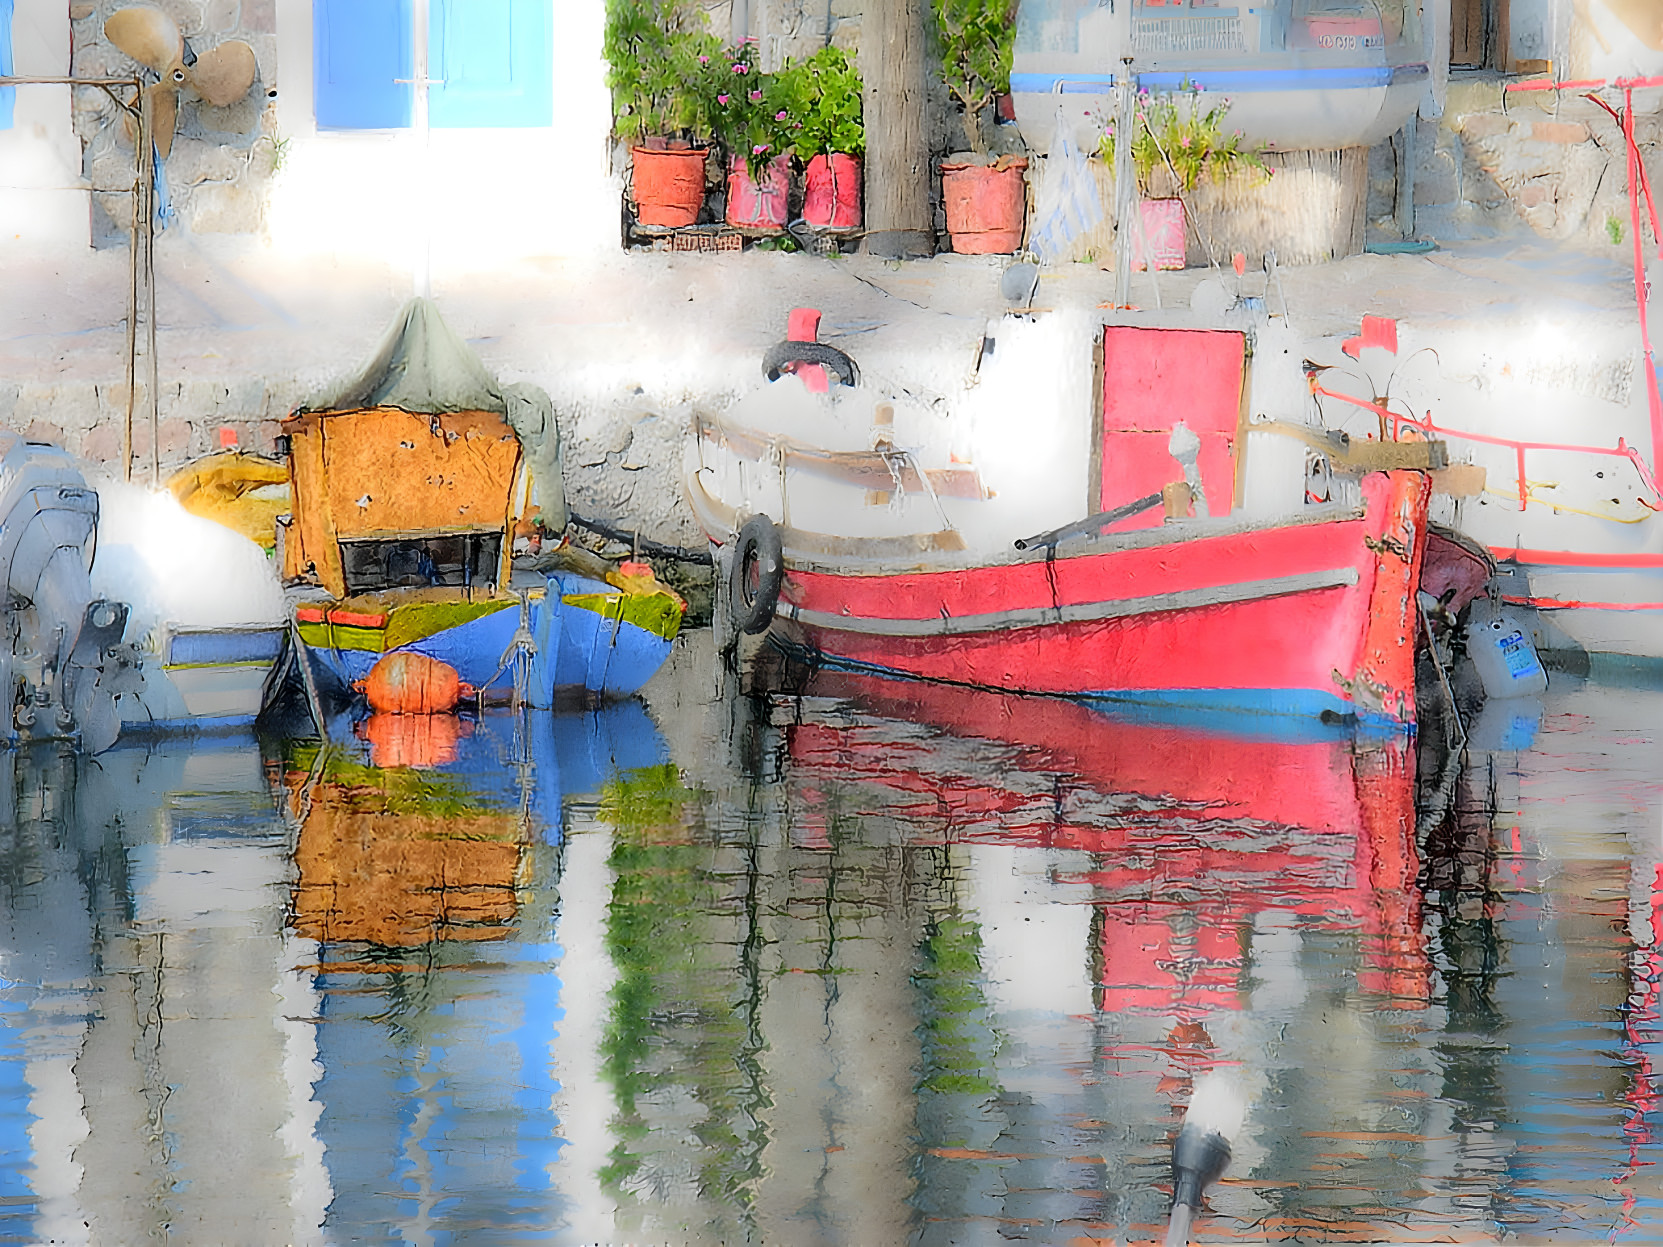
(875, 963)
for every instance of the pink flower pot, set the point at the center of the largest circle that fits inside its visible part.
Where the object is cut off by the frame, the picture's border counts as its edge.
(831, 192)
(753, 206)
(1163, 227)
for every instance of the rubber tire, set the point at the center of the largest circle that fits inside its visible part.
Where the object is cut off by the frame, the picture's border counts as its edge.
(810, 353)
(758, 543)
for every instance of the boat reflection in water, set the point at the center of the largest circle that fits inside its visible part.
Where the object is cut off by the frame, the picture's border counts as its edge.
(1197, 862)
(429, 856)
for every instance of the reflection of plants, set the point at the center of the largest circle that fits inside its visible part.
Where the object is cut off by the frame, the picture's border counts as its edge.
(959, 1041)
(645, 805)
(1175, 132)
(673, 1030)
(391, 790)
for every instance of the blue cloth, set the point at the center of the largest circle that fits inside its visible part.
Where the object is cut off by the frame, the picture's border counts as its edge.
(1066, 204)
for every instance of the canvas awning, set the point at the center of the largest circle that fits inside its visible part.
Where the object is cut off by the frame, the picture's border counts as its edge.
(421, 365)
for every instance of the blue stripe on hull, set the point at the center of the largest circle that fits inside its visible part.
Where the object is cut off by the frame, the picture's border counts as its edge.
(1291, 707)
(1236, 81)
(574, 649)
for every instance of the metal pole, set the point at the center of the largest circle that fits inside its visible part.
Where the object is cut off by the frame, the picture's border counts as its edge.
(153, 397)
(141, 134)
(1125, 180)
(419, 122)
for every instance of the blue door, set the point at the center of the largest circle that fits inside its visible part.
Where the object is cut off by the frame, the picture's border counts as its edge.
(361, 48)
(493, 59)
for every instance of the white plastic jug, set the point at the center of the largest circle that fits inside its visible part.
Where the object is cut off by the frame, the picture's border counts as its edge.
(1499, 641)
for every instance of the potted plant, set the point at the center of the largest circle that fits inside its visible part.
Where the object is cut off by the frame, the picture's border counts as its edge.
(986, 201)
(1179, 141)
(820, 100)
(656, 56)
(746, 112)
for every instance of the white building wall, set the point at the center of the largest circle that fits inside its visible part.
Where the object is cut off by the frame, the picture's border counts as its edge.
(43, 198)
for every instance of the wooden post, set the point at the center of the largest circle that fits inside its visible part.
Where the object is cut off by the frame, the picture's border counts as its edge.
(899, 219)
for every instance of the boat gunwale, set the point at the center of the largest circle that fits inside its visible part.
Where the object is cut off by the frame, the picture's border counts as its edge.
(832, 554)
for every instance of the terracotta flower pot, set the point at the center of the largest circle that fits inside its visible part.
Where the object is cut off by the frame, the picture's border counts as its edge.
(831, 192)
(986, 206)
(754, 206)
(668, 186)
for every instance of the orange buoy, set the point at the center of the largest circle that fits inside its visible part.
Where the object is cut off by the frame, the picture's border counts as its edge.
(408, 683)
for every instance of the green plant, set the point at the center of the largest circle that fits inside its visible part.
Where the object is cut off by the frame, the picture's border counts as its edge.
(820, 100)
(657, 55)
(1175, 132)
(1614, 228)
(745, 107)
(977, 40)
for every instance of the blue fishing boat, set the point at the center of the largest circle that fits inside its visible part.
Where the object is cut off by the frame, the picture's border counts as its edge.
(410, 485)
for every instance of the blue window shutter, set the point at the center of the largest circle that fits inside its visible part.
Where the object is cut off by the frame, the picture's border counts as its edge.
(7, 94)
(495, 58)
(359, 49)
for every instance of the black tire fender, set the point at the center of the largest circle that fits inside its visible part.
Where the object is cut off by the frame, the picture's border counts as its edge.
(756, 552)
(810, 353)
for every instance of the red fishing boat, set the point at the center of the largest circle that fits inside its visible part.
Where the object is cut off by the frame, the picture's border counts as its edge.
(1166, 598)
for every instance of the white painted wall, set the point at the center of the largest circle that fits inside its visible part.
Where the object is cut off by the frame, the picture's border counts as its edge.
(43, 198)
(480, 195)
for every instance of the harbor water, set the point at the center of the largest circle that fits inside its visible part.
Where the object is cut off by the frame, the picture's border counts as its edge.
(835, 960)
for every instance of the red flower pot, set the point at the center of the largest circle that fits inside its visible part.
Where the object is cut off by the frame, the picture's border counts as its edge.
(668, 186)
(753, 206)
(986, 206)
(831, 192)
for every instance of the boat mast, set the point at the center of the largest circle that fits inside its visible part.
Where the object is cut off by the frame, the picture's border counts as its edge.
(1125, 177)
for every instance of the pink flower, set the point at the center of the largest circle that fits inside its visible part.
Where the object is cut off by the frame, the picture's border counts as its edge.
(741, 69)
(721, 99)
(1184, 142)
(780, 116)
(755, 95)
(704, 60)
(759, 149)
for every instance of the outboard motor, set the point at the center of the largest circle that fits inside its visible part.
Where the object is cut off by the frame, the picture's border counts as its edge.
(62, 660)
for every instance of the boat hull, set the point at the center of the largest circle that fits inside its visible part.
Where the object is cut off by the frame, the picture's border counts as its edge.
(585, 642)
(1297, 618)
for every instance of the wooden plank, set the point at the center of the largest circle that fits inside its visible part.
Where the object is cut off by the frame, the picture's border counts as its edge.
(314, 522)
(391, 473)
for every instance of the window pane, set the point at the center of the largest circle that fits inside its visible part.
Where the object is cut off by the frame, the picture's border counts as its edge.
(360, 47)
(494, 58)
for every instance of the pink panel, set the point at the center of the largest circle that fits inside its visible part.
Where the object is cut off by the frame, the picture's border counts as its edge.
(1152, 378)
(1163, 226)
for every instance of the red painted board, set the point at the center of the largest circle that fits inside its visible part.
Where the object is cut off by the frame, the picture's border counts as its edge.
(1153, 378)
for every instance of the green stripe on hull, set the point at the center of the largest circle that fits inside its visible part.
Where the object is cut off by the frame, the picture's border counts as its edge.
(657, 613)
(406, 622)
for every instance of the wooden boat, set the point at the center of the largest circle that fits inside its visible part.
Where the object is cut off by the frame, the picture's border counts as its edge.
(408, 486)
(1312, 613)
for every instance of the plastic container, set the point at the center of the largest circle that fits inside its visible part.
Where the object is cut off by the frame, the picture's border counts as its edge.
(1500, 645)
(759, 205)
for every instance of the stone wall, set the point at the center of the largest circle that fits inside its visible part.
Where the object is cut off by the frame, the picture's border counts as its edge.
(219, 173)
(1502, 161)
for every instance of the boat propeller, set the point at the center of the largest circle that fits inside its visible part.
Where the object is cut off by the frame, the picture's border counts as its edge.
(222, 75)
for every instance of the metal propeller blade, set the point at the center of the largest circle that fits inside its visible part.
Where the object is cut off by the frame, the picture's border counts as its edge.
(163, 101)
(149, 36)
(223, 74)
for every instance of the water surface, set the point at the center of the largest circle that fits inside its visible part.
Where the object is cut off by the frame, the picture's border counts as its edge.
(861, 962)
